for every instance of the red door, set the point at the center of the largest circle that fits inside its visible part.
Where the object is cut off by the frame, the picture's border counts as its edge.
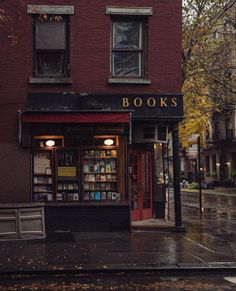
(140, 184)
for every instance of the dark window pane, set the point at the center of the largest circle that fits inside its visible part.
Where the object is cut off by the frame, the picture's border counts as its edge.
(161, 133)
(146, 203)
(234, 161)
(126, 35)
(207, 164)
(214, 164)
(50, 63)
(126, 64)
(50, 35)
(149, 132)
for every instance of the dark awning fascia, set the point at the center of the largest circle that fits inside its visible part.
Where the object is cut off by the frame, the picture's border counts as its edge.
(37, 116)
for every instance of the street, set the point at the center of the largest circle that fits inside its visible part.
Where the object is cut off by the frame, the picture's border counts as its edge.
(202, 258)
(219, 212)
(215, 203)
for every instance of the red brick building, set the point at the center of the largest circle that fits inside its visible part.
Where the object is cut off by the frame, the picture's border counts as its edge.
(78, 74)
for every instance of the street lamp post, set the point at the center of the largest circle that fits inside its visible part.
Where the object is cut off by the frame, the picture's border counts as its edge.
(199, 175)
(176, 171)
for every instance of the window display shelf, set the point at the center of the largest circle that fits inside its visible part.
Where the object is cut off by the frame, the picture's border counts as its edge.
(99, 174)
(67, 196)
(92, 190)
(42, 178)
(67, 180)
(43, 196)
(43, 192)
(101, 196)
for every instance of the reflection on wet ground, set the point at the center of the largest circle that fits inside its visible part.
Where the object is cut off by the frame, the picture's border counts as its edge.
(210, 241)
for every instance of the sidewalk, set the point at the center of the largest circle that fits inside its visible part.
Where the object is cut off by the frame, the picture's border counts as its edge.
(126, 251)
(219, 191)
(208, 244)
(211, 199)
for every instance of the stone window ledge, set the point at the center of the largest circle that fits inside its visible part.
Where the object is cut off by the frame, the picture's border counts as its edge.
(35, 80)
(129, 81)
(129, 11)
(50, 9)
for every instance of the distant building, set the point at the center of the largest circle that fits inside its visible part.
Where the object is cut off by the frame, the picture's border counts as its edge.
(219, 157)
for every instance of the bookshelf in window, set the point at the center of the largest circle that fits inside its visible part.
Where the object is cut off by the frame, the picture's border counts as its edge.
(67, 180)
(43, 176)
(100, 174)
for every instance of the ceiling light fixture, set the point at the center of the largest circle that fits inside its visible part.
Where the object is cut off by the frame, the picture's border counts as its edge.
(50, 143)
(108, 141)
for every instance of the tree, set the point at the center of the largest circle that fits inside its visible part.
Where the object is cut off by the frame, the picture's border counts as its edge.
(208, 26)
(3, 17)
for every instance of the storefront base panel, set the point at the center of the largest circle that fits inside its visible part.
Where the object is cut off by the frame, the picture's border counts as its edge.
(89, 217)
(160, 209)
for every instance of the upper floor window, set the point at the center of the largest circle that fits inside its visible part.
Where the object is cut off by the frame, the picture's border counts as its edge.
(207, 165)
(129, 44)
(128, 48)
(50, 47)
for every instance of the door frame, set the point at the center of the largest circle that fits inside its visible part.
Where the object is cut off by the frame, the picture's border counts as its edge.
(145, 175)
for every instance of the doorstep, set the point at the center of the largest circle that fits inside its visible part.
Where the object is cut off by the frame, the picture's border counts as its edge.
(152, 225)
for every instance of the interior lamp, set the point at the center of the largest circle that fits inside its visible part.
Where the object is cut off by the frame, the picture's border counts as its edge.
(108, 141)
(50, 143)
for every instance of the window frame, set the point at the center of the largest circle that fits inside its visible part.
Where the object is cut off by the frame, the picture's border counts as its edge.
(143, 20)
(64, 52)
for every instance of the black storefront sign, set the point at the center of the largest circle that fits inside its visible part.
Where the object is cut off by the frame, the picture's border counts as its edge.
(154, 106)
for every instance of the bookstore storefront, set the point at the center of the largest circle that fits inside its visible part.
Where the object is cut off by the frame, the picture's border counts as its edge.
(94, 165)
(77, 156)
(78, 166)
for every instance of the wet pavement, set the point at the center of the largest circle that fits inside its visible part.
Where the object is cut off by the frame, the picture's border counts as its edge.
(209, 242)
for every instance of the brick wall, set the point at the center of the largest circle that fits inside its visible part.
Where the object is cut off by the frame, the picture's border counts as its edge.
(90, 67)
(14, 174)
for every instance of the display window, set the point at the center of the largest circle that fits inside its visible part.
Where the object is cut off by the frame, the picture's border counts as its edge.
(79, 173)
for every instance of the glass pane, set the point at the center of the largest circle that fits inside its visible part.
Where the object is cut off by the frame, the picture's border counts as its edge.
(134, 204)
(50, 63)
(50, 35)
(126, 35)
(127, 63)
(146, 203)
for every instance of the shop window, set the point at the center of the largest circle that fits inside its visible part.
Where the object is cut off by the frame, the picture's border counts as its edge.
(50, 46)
(89, 172)
(128, 48)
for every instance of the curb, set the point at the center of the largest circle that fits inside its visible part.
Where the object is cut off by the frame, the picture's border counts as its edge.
(152, 228)
(167, 270)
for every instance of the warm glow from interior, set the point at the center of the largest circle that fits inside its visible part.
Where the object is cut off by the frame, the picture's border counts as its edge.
(108, 141)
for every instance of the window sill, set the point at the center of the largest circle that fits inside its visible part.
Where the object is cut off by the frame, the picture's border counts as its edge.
(35, 80)
(129, 81)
